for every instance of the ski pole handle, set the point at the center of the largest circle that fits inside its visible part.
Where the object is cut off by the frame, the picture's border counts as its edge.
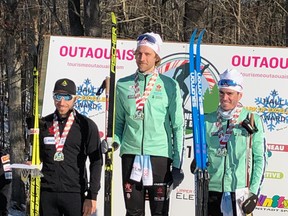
(107, 84)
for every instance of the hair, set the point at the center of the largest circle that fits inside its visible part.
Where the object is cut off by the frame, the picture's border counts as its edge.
(158, 60)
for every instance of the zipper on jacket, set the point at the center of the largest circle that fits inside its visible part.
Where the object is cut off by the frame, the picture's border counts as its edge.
(142, 143)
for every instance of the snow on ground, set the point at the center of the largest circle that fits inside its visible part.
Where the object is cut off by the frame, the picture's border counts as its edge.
(16, 210)
(13, 212)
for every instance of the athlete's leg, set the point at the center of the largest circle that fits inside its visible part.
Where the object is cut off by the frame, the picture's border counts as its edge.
(71, 204)
(214, 203)
(134, 194)
(49, 204)
(159, 204)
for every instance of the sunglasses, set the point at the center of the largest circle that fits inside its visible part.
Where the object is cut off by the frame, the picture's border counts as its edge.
(59, 96)
(227, 82)
(149, 38)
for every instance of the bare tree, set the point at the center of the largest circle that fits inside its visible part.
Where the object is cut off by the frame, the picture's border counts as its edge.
(92, 18)
(286, 29)
(76, 26)
(194, 10)
(13, 70)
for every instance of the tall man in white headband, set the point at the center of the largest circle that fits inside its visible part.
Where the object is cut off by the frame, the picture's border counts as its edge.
(149, 128)
(229, 131)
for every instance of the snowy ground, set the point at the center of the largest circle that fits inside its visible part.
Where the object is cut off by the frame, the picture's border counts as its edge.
(13, 212)
(16, 211)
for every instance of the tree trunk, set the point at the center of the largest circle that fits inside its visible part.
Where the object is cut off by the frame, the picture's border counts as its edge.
(286, 31)
(194, 9)
(76, 28)
(92, 20)
(17, 143)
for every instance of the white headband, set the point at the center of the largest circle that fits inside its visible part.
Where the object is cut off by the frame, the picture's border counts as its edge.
(231, 79)
(151, 40)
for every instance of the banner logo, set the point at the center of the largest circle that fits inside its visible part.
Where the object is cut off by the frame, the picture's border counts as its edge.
(177, 66)
(88, 101)
(274, 111)
(276, 204)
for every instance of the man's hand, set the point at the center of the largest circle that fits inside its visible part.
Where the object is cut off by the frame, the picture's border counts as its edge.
(249, 204)
(193, 166)
(178, 176)
(115, 145)
(89, 207)
(105, 146)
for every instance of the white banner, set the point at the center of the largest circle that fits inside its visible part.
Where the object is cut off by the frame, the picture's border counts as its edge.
(265, 71)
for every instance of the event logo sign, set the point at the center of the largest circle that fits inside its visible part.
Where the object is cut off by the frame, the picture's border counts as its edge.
(177, 66)
(275, 204)
(88, 102)
(274, 110)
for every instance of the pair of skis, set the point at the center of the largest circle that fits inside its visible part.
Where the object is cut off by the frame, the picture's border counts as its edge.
(199, 135)
(35, 176)
(108, 147)
(109, 87)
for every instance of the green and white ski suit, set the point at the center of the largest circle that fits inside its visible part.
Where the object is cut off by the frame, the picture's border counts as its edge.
(161, 131)
(228, 173)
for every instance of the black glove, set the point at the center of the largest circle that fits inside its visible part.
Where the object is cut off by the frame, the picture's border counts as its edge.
(105, 146)
(193, 166)
(115, 145)
(178, 176)
(249, 204)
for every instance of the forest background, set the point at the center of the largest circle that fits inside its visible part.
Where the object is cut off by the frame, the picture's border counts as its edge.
(24, 23)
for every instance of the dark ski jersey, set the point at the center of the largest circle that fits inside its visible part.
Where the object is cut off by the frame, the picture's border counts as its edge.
(70, 174)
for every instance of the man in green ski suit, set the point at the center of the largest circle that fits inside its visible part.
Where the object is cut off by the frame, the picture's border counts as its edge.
(149, 128)
(229, 131)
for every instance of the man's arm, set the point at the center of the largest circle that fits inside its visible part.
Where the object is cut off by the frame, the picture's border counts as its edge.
(96, 161)
(177, 124)
(259, 154)
(119, 117)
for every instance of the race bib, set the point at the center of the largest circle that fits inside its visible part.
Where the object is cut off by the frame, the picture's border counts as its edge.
(49, 140)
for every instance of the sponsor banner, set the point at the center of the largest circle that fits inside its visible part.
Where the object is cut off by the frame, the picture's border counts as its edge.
(86, 61)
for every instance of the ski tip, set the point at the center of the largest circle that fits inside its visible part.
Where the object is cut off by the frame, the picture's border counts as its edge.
(202, 33)
(113, 17)
(192, 39)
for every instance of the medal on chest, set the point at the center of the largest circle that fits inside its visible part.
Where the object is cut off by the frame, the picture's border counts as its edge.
(140, 101)
(139, 115)
(224, 138)
(60, 140)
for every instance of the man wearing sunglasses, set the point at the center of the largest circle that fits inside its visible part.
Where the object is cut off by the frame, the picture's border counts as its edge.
(231, 131)
(67, 138)
(149, 129)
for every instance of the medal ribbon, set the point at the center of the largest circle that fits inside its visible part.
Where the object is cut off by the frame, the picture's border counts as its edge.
(140, 101)
(223, 139)
(60, 141)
